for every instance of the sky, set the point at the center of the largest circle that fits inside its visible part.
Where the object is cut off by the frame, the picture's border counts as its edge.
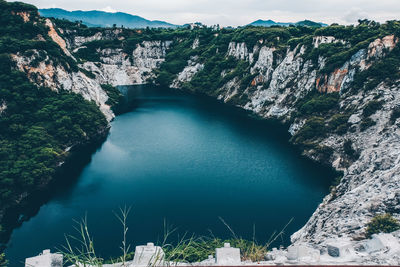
(239, 12)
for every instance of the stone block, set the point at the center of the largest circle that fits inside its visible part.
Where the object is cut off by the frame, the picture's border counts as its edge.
(148, 255)
(227, 255)
(303, 253)
(45, 259)
(340, 248)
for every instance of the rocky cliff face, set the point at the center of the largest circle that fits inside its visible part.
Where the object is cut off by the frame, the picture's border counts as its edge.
(371, 183)
(118, 68)
(115, 67)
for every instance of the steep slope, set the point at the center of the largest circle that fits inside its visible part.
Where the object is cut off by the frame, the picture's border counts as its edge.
(341, 99)
(96, 18)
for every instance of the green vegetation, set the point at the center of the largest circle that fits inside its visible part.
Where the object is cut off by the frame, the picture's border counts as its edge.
(35, 129)
(319, 103)
(314, 127)
(384, 223)
(3, 261)
(371, 107)
(37, 125)
(395, 114)
(366, 123)
(339, 123)
(349, 150)
(19, 36)
(81, 248)
(89, 74)
(385, 70)
(115, 98)
(355, 38)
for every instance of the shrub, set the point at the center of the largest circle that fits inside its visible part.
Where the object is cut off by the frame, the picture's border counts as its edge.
(3, 261)
(395, 114)
(366, 123)
(314, 127)
(89, 74)
(339, 123)
(115, 98)
(371, 107)
(324, 152)
(319, 103)
(384, 223)
(349, 150)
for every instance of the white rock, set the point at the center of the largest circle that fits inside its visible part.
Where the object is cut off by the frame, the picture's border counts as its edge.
(383, 242)
(227, 255)
(45, 259)
(148, 255)
(340, 248)
(303, 253)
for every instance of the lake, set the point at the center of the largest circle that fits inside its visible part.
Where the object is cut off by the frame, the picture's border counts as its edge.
(187, 160)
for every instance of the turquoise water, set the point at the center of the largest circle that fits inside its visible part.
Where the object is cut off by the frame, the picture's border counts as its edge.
(186, 160)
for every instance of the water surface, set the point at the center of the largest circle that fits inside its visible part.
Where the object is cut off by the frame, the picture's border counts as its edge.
(186, 159)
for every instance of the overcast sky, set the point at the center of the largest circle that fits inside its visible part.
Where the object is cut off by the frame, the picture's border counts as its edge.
(239, 12)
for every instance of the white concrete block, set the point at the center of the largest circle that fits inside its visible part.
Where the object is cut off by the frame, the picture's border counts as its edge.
(45, 259)
(227, 255)
(303, 253)
(148, 255)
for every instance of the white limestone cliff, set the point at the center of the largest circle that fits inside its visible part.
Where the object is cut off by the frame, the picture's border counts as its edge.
(371, 184)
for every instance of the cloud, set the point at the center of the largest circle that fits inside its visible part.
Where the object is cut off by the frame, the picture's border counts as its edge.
(354, 14)
(108, 9)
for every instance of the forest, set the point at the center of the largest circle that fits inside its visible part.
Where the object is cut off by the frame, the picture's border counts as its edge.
(38, 126)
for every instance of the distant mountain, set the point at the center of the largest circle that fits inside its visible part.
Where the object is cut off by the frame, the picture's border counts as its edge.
(104, 19)
(269, 23)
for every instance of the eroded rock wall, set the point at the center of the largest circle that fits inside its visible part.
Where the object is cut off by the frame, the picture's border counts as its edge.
(371, 183)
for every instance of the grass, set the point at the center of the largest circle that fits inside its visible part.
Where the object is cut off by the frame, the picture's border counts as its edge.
(80, 249)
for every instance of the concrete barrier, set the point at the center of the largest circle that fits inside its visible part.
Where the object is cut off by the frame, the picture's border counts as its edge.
(45, 259)
(227, 255)
(148, 255)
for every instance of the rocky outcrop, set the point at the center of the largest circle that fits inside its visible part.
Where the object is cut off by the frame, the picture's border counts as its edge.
(340, 79)
(116, 67)
(3, 106)
(56, 38)
(381, 249)
(187, 73)
(56, 77)
(371, 183)
(291, 79)
(318, 40)
(241, 52)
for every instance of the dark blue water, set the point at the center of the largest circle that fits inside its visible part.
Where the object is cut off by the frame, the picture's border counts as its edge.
(186, 159)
